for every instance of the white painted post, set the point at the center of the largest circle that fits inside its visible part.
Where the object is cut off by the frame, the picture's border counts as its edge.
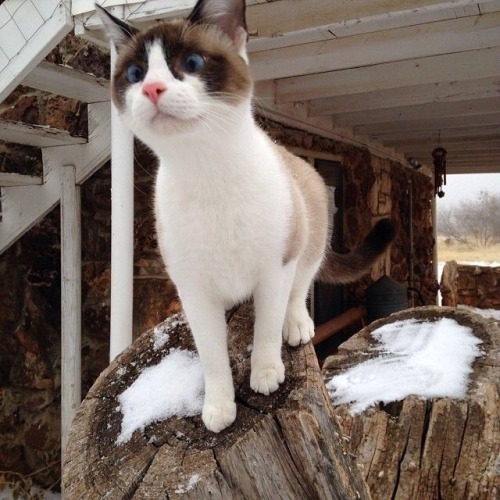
(71, 300)
(122, 231)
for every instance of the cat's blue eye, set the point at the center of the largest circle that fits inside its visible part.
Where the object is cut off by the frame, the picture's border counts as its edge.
(135, 73)
(193, 63)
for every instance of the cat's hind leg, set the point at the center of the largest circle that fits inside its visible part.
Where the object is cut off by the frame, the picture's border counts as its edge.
(207, 321)
(270, 299)
(299, 327)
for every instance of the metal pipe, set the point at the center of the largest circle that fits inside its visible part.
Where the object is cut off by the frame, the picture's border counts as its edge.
(410, 223)
(122, 230)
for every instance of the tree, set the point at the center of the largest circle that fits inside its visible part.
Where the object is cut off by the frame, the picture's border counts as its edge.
(474, 220)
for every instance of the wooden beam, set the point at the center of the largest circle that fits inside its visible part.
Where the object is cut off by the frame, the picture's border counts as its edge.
(420, 71)
(458, 149)
(441, 123)
(337, 324)
(450, 91)
(9, 180)
(394, 138)
(286, 23)
(452, 36)
(36, 135)
(472, 169)
(424, 111)
(71, 300)
(462, 141)
(68, 82)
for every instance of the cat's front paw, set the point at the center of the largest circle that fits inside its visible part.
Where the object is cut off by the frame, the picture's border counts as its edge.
(218, 416)
(266, 378)
(298, 327)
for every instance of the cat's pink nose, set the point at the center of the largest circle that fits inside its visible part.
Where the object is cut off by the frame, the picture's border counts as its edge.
(153, 90)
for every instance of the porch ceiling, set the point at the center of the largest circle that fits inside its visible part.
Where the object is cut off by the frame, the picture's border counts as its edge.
(404, 76)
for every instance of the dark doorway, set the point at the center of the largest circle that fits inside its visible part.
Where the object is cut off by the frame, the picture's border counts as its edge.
(329, 299)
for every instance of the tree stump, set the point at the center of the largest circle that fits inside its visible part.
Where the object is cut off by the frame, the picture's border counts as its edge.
(286, 445)
(428, 449)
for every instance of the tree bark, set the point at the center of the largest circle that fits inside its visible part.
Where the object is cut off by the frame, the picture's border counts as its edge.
(286, 445)
(428, 449)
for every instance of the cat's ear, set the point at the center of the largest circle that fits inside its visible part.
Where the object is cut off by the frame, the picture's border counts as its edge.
(118, 31)
(228, 15)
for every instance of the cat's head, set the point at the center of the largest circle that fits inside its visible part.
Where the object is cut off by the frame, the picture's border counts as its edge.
(182, 74)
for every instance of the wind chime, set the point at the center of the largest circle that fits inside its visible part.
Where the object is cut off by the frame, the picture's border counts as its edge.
(439, 158)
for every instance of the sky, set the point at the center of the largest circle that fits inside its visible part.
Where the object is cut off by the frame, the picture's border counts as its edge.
(461, 187)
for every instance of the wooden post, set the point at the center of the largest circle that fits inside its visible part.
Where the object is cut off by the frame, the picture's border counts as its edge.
(122, 231)
(70, 300)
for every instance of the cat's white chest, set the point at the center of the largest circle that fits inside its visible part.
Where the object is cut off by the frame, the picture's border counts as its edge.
(219, 233)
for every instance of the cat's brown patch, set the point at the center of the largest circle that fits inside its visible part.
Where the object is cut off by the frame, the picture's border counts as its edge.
(225, 73)
(309, 222)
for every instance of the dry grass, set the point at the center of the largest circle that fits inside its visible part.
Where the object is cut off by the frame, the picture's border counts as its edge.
(456, 251)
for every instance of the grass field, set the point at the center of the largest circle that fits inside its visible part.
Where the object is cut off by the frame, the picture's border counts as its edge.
(469, 253)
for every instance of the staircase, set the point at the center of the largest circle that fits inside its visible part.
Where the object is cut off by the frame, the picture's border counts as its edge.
(29, 30)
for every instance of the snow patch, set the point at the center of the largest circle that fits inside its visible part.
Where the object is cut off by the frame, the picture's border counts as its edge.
(160, 337)
(173, 387)
(428, 359)
(485, 313)
(189, 486)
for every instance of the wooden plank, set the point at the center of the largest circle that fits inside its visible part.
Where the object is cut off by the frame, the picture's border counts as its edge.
(68, 82)
(292, 16)
(393, 138)
(275, 29)
(427, 70)
(48, 35)
(425, 111)
(36, 135)
(472, 169)
(8, 179)
(452, 36)
(458, 148)
(443, 123)
(463, 141)
(449, 91)
(71, 300)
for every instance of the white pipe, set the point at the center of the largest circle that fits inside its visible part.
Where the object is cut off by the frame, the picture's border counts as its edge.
(435, 255)
(71, 300)
(122, 231)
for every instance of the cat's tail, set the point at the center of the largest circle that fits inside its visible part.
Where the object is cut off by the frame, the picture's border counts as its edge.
(345, 268)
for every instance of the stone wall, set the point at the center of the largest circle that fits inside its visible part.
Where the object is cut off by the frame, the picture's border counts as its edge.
(374, 188)
(476, 286)
(30, 286)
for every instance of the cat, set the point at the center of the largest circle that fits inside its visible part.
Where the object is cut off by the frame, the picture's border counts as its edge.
(237, 216)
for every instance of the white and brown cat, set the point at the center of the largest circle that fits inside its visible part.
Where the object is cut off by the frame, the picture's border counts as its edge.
(237, 216)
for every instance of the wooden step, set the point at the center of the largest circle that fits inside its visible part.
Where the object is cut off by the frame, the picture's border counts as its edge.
(68, 82)
(8, 179)
(36, 135)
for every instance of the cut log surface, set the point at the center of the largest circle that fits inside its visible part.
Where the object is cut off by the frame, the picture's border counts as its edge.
(286, 445)
(428, 449)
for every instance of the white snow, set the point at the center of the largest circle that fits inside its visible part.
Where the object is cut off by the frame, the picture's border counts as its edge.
(8, 494)
(486, 313)
(173, 387)
(189, 486)
(160, 337)
(428, 359)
